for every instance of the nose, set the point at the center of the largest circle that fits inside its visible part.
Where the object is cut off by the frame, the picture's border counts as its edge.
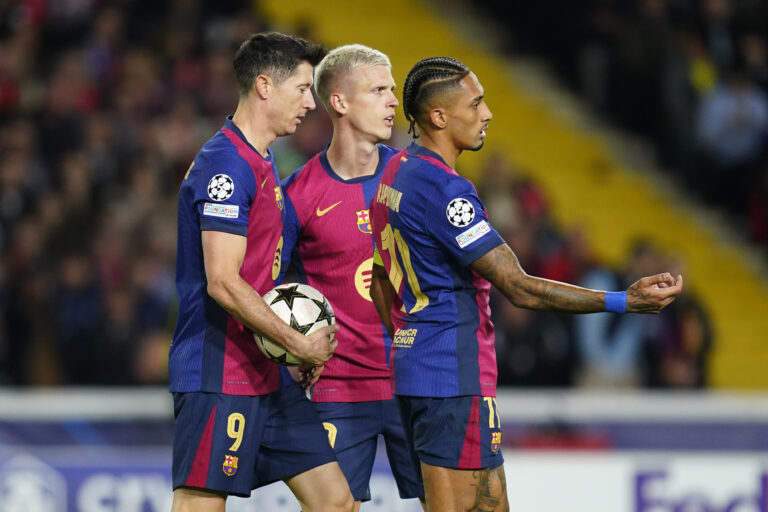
(393, 102)
(488, 114)
(310, 103)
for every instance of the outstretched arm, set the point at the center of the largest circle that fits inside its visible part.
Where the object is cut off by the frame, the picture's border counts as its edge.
(501, 267)
(383, 295)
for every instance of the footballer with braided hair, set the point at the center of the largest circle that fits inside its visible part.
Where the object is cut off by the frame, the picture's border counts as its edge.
(436, 258)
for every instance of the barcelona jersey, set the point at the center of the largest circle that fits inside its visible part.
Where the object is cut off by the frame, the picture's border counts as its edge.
(328, 240)
(232, 188)
(429, 226)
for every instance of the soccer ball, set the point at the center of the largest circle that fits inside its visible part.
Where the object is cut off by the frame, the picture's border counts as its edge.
(300, 306)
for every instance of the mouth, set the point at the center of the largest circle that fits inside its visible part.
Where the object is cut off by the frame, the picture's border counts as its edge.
(389, 121)
(482, 131)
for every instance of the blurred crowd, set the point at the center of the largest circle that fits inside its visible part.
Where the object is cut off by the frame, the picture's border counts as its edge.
(689, 75)
(103, 105)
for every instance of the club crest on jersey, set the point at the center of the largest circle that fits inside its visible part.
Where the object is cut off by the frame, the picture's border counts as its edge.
(230, 465)
(495, 441)
(363, 221)
(221, 187)
(279, 197)
(460, 212)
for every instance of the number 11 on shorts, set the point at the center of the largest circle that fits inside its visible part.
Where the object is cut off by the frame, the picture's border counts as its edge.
(493, 412)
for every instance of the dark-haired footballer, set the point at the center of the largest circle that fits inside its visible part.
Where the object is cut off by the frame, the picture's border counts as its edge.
(436, 258)
(237, 426)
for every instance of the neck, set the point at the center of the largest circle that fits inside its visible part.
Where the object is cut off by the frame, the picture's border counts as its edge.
(250, 119)
(350, 155)
(433, 141)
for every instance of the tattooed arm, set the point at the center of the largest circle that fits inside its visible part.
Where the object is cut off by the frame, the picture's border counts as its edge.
(501, 267)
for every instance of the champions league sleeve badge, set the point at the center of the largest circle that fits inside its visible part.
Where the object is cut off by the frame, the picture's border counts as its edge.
(460, 212)
(221, 187)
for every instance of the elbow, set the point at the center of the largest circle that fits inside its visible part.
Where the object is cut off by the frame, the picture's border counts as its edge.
(217, 289)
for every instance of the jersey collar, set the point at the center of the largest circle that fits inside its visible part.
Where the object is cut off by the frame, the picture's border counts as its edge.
(230, 125)
(330, 172)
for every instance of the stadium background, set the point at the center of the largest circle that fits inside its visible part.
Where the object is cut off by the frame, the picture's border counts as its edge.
(597, 166)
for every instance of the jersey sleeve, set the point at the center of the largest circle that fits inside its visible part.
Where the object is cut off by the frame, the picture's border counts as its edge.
(224, 196)
(457, 220)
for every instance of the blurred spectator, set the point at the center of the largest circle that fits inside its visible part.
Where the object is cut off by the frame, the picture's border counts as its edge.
(610, 346)
(733, 129)
(676, 353)
(533, 349)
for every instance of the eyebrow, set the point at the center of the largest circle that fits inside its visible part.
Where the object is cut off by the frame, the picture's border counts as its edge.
(478, 98)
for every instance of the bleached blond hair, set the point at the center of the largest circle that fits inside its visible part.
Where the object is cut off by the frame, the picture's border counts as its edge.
(341, 61)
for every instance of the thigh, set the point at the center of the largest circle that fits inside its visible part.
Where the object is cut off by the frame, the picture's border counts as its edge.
(216, 440)
(459, 490)
(458, 432)
(402, 459)
(353, 429)
(294, 440)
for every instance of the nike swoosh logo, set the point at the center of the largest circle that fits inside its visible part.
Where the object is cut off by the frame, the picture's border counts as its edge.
(320, 212)
(263, 182)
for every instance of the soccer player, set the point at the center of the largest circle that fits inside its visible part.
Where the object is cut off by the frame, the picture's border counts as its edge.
(436, 258)
(328, 238)
(237, 428)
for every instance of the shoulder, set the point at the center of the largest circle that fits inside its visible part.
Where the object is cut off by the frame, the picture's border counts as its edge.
(220, 156)
(387, 152)
(301, 175)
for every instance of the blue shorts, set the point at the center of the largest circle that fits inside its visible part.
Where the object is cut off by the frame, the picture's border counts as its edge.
(460, 432)
(353, 431)
(235, 444)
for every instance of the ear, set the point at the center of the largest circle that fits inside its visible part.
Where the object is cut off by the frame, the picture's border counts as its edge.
(438, 117)
(338, 103)
(262, 86)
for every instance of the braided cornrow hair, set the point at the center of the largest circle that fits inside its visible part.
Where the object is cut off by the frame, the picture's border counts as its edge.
(426, 78)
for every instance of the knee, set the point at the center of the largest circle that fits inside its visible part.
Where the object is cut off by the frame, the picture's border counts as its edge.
(344, 502)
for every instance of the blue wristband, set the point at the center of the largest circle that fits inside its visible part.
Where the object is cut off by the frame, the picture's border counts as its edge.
(616, 302)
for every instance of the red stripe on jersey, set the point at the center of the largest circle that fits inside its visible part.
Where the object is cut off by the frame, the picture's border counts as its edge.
(438, 163)
(486, 339)
(198, 473)
(246, 370)
(471, 450)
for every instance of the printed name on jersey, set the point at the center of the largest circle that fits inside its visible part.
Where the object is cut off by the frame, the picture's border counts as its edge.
(226, 211)
(473, 234)
(460, 212)
(221, 187)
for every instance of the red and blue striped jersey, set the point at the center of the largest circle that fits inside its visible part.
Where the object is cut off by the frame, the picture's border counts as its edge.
(230, 187)
(328, 241)
(429, 226)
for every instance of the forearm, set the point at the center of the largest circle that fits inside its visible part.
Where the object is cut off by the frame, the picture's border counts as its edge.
(501, 267)
(382, 295)
(241, 301)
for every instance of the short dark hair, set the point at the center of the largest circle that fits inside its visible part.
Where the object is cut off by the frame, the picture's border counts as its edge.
(275, 55)
(427, 78)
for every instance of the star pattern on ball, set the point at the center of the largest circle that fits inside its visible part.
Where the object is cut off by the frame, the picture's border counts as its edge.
(296, 326)
(326, 314)
(288, 295)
